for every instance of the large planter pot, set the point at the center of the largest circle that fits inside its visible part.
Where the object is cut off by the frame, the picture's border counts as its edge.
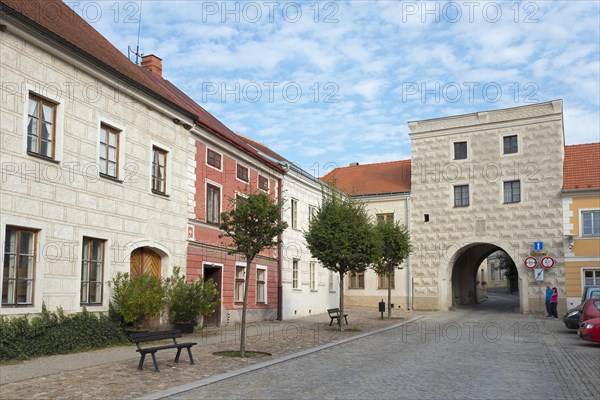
(185, 327)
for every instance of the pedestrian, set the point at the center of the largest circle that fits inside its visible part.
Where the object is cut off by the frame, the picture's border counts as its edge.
(554, 304)
(548, 300)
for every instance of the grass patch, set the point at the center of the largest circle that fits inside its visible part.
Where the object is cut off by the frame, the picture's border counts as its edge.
(236, 353)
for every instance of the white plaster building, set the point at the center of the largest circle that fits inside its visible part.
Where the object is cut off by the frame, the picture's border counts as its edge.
(307, 287)
(94, 164)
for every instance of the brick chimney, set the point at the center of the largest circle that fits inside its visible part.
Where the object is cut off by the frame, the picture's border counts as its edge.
(152, 64)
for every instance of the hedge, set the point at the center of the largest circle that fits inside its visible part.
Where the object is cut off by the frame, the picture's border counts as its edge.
(56, 333)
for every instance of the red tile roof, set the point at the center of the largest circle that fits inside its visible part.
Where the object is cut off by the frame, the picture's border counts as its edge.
(581, 168)
(388, 177)
(57, 20)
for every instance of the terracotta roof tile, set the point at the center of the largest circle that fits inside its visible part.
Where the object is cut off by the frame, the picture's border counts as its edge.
(388, 177)
(581, 168)
(57, 20)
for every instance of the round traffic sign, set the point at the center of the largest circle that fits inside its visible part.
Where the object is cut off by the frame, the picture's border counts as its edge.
(530, 262)
(547, 262)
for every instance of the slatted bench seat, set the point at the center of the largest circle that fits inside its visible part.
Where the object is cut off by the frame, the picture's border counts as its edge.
(140, 338)
(334, 313)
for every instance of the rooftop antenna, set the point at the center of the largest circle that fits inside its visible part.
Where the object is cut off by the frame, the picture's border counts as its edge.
(137, 48)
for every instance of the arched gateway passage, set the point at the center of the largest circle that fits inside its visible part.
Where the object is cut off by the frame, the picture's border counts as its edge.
(465, 267)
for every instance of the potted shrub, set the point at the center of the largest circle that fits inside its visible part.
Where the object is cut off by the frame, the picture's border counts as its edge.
(138, 299)
(190, 300)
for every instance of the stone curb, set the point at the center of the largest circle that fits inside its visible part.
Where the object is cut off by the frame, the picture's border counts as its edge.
(220, 377)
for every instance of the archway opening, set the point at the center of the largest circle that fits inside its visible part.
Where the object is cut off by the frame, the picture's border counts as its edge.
(480, 271)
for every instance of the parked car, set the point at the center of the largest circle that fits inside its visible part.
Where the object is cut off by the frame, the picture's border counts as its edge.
(590, 310)
(571, 318)
(590, 330)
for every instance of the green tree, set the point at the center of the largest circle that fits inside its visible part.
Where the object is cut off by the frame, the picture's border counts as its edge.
(342, 238)
(254, 224)
(395, 246)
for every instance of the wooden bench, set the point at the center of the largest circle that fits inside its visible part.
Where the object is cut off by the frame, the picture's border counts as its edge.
(334, 313)
(139, 338)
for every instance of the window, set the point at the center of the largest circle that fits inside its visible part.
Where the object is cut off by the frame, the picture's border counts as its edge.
(263, 183)
(492, 272)
(41, 127)
(242, 173)
(382, 280)
(260, 285)
(109, 150)
(294, 214)
(512, 192)
(511, 144)
(240, 279)
(331, 281)
(19, 267)
(312, 211)
(92, 269)
(213, 204)
(159, 169)
(461, 196)
(295, 274)
(313, 276)
(460, 150)
(357, 280)
(591, 277)
(213, 158)
(591, 223)
(389, 217)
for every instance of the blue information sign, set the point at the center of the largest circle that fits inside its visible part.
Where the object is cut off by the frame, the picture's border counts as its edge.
(538, 246)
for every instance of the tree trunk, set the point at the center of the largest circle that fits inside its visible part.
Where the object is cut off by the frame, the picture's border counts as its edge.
(389, 295)
(244, 308)
(341, 301)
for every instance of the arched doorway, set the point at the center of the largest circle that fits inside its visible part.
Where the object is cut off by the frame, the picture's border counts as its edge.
(466, 279)
(145, 261)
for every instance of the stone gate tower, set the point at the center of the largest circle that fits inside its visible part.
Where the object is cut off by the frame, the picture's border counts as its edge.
(483, 182)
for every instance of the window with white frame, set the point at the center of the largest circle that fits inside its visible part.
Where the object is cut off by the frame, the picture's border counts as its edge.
(461, 196)
(331, 281)
(383, 218)
(295, 274)
(511, 144)
(591, 277)
(41, 127)
(109, 151)
(213, 158)
(240, 279)
(294, 214)
(213, 204)
(263, 183)
(261, 285)
(92, 271)
(512, 192)
(460, 150)
(19, 267)
(312, 211)
(312, 272)
(591, 223)
(242, 173)
(159, 170)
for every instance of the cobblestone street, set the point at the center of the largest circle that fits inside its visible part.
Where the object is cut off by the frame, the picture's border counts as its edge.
(485, 351)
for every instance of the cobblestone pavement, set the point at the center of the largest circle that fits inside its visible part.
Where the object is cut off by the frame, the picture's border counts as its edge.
(112, 373)
(481, 352)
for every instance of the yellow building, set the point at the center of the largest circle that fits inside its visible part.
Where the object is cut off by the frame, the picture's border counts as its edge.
(581, 211)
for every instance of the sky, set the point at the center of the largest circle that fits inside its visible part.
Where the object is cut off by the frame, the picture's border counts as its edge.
(327, 83)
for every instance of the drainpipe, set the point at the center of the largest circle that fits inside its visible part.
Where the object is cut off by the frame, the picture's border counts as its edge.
(279, 258)
(408, 271)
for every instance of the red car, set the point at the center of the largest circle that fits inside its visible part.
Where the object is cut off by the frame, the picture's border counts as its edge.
(590, 309)
(590, 330)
